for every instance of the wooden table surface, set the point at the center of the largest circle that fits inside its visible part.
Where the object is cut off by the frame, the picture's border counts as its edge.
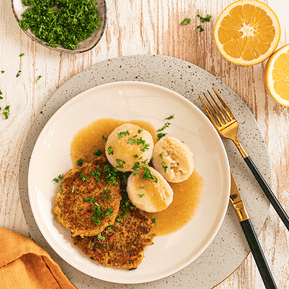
(143, 27)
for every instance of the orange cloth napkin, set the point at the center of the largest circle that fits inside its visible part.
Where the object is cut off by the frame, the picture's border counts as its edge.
(25, 265)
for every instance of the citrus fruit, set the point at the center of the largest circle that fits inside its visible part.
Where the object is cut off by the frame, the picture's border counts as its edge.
(247, 32)
(276, 75)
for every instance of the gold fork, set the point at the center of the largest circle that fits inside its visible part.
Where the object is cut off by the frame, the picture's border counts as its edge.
(227, 126)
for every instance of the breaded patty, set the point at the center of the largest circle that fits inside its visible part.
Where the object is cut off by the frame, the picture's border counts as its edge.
(89, 198)
(123, 244)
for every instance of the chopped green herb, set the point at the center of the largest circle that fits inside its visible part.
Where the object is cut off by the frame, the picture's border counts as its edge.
(60, 188)
(100, 238)
(201, 28)
(103, 137)
(61, 177)
(18, 73)
(72, 190)
(96, 174)
(93, 200)
(1, 97)
(161, 135)
(38, 77)
(135, 156)
(109, 227)
(119, 219)
(122, 134)
(120, 164)
(21, 54)
(204, 19)
(79, 162)
(161, 155)
(164, 167)
(83, 177)
(110, 198)
(148, 174)
(140, 195)
(170, 117)
(98, 153)
(61, 22)
(142, 187)
(136, 166)
(109, 151)
(108, 212)
(154, 220)
(167, 124)
(2, 71)
(186, 21)
(140, 130)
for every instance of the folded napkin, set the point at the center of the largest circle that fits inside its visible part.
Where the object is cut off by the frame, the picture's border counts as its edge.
(25, 265)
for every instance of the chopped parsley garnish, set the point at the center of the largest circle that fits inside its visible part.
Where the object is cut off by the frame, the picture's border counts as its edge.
(7, 112)
(170, 117)
(72, 190)
(18, 73)
(2, 71)
(164, 167)
(111, 174)
(104, 138)
(98, 153)
(109, 151)
(110, 198)
(93, 200)
(201, 28)
(122, 134)
(120, 164)
(204, 19)
(148, 174)
(79, 162)
(154, 220)
(109, 211)
(167, 124)
(96, 174)
(59, 178)
(119, 219)
(38, 77)
(61, 22)
(142, 187)
(161, 155)
(186, 21)
(135, 156)
(140, 195)
(161, 135)
(109, 227)
(21, 54)
(83, 177)
(140, 130)
(100, 213)
(1, 97)
(100, 238)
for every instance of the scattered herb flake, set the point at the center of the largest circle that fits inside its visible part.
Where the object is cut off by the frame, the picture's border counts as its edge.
(122, 134)
(154, 220)
(100, 238)
(204, 19)
(79, 162)
(18, 73)
(109, 150)
(83, 177)
(21, 54)
(140, 195)
(201, 28)
(38, 77)
(186, 21)
(98, 153)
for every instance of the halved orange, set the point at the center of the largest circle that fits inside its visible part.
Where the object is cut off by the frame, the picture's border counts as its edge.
(276, 75)
(247, 32)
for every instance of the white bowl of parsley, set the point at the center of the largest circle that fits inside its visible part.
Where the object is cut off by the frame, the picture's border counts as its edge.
(72, 26)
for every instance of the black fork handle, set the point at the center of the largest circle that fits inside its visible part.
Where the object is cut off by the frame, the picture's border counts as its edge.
(268, 192)
(258, 254)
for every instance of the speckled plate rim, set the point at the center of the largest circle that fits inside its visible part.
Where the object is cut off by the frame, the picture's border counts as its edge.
(229, 248)
(61, 48)
(132, 100)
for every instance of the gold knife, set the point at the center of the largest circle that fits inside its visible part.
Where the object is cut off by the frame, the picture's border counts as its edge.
(247, 227)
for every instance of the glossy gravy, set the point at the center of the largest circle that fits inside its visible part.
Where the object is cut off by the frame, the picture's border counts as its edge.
(187, 194)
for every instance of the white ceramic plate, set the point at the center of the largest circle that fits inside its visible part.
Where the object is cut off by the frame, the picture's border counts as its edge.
(126, 101)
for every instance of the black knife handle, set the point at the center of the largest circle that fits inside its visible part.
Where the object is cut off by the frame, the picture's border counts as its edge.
(258, 254)
(268, 192)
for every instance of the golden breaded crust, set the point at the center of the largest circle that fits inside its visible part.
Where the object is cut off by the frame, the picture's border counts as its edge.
(89, 198)
(122, 245)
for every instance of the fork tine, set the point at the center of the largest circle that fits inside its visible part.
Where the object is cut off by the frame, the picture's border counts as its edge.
(222, 112)
(210, 114)
(227, 109)
(216, 113)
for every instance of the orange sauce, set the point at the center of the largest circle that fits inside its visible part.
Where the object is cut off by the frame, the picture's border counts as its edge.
(186, 200)
(187, 194)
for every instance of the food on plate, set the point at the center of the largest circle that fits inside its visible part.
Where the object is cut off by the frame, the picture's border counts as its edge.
(173, 159)
(127, 144)
(148, 190)
(276, 75)
(89, 198)
(122, 244)
(247, 32)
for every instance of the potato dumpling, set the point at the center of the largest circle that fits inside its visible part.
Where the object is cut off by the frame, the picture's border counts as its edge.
(126, 145)
(149, 191)
(173, 159)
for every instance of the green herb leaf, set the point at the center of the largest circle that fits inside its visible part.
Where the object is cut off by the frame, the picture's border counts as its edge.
(201, 28)
(186, 21)
(154, 220)
(98, 153)
(79, 162)
(204, 19)
(109, 150)
(21, 54)
(38, 77)
(83, 177)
